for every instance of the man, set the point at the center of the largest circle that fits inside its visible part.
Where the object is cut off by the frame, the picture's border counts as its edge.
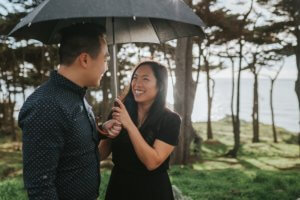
(60, 137)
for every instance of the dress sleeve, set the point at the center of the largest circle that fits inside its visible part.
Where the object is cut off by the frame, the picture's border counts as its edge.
(42, 145)
(169, 129)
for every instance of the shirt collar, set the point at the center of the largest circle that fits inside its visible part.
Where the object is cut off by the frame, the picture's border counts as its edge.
(67, 84)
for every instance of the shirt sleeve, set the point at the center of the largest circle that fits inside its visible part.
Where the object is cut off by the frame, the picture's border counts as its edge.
(42, 144)
(170, 129)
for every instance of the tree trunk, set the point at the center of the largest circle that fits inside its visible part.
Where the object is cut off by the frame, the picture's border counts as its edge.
(297, 49)
(23, 70)
(232, 93)
(272, 112)
(23, 87)
(184, 94)
(237, 120)
(106, 87)
(236, 128)
(106, 103)
(11, 120)
(209, 101)
(12, 103)
(255, 115)
(297, 84)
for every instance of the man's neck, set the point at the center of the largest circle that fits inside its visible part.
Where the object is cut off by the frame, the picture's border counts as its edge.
(71, 74)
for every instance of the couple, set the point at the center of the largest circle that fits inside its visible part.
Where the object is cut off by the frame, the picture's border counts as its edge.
(63, 146)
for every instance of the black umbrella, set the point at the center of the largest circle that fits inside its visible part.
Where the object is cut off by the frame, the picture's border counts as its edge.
(153, 21)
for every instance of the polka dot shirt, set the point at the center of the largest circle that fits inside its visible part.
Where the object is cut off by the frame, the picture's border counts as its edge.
(60, 142)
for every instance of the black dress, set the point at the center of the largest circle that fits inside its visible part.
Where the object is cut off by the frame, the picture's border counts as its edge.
(130, 179)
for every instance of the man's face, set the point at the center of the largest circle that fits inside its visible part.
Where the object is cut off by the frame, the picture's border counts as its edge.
(98, 66)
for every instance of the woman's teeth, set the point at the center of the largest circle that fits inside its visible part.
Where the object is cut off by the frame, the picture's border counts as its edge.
(139, 92)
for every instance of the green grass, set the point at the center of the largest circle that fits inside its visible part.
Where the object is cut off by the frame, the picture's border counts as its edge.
(222, 129)
(236, 183)
(262, 170)
(12, 188)
(205, 184)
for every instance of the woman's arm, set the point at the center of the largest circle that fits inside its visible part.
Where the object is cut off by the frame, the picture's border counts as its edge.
(151, 157)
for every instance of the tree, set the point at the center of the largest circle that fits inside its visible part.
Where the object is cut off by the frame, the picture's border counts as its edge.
(210, 58)
(22, 65)
(184, 94)
(273, 79)
(185, 86)
(255, 109)
(231, 54)
(241, 42)
(289, 27)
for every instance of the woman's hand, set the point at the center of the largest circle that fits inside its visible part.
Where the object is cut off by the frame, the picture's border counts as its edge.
(120, 113)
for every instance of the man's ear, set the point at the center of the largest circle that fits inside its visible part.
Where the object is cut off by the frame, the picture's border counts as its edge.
(83, 59)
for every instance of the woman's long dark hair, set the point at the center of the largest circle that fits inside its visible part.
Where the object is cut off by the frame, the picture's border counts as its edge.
(150, 126)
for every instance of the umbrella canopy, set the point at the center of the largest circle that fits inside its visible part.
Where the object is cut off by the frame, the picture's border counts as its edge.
(153, 21)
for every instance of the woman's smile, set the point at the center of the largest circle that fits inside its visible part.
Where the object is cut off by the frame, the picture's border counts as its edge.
(138, 92)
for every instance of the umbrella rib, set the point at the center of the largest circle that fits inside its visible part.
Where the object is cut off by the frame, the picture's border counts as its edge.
(53, 32)
(156, 33)
(129, 31)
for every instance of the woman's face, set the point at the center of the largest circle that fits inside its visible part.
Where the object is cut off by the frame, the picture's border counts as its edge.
(143, 85)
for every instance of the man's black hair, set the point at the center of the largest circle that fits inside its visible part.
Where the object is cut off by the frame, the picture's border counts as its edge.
(80, 38)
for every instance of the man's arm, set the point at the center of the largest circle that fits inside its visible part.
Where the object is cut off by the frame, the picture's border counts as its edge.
(42, 145)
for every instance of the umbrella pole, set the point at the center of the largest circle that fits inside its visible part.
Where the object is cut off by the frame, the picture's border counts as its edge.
(114, 69)
(114, 72)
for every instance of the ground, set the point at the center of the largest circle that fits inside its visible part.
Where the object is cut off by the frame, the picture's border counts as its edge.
(262, 170)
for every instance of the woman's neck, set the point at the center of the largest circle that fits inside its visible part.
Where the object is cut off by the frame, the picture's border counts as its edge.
(143, 109)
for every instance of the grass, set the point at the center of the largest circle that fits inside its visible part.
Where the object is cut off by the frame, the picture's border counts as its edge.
(12, 188)
(262, 170)
(205, 184)
(234, 183)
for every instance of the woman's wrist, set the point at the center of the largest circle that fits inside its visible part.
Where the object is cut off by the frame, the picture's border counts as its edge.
(130, 125)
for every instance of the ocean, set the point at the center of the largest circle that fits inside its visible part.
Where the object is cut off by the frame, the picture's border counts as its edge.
(284, 100)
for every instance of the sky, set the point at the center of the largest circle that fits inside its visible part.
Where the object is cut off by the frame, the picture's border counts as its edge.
(289, 71)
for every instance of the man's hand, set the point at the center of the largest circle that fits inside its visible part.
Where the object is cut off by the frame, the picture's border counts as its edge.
(112, 128)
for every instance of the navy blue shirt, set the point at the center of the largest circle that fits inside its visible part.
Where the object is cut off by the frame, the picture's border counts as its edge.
(60, 142)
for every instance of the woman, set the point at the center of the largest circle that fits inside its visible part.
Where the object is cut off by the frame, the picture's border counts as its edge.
(150, 131)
